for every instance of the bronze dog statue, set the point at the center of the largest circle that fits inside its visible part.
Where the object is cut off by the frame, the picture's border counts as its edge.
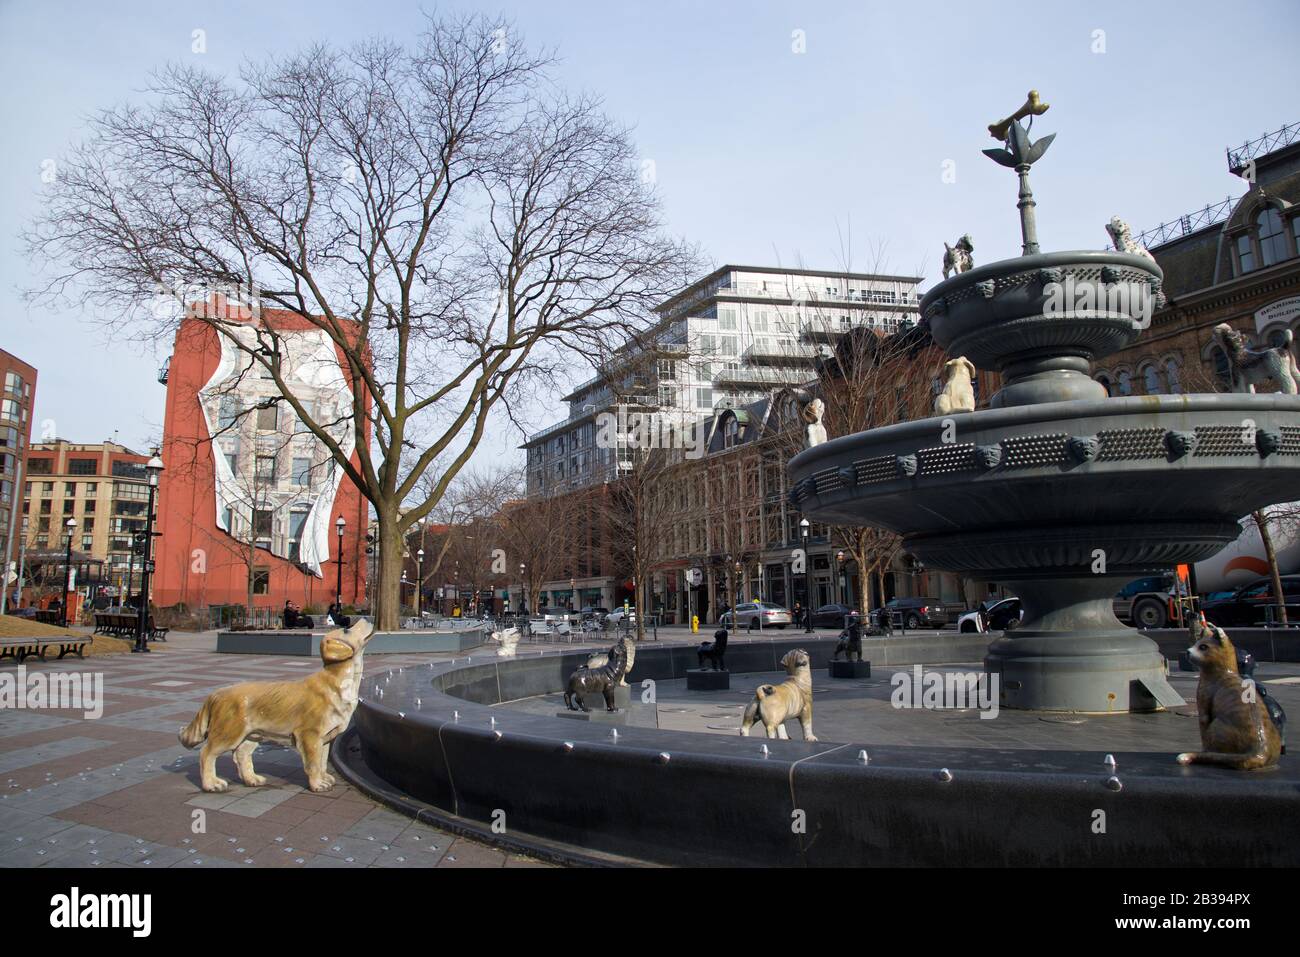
(603, 679)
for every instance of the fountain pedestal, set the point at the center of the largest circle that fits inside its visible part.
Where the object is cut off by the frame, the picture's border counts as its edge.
(1071, 653)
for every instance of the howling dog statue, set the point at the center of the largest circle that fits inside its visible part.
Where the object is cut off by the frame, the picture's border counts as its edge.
(772, 704)
(308, 714)
(628, 646)
(603, 679)
(1237, 730)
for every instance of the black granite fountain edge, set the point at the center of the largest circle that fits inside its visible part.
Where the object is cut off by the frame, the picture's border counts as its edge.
(668, 797)
(304, 643)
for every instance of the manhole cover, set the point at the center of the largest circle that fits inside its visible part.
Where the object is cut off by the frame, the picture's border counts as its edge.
(1064, 720)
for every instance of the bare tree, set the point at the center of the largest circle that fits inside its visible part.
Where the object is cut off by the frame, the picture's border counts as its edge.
(451, 225)
(639, 513)
(541, 535)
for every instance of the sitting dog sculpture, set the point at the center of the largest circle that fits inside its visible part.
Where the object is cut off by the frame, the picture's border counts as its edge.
(850, 642)
(958, 258)
(1252, 367)
(715, 651)
(591, 680)
(958, 393)
(772, 704)
(509, 640)
(814, 432)
(1121, 236)
(628, 646)
(1236, 729)
(308, 713)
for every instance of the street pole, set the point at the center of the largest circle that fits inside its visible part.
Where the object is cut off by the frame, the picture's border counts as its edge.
(154, 468)
(130, 572)
(341, 524)
(9, 539)
(71, 526)
(807, 579)
(419, 579)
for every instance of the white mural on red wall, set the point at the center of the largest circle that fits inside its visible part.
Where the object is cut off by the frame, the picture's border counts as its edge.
(276, 482)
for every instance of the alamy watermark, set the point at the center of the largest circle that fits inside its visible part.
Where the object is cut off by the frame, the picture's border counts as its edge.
(624, 428)
(60, 690)
(1069, 297)
(945, 690)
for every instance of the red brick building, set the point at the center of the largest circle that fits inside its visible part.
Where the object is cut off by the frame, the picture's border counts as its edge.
(250, 498)
(17, 400)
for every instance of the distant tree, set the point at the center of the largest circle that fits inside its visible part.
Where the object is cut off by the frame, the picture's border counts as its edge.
(455, 227)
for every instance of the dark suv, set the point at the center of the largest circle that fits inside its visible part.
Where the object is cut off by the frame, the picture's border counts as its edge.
(1249, 604)
(918, 612)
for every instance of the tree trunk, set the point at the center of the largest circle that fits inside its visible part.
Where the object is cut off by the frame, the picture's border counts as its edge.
(1261, 520)
(390, 544)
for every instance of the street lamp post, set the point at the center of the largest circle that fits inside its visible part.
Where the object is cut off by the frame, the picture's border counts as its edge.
(340, 524)
(807, 578)
(523, 591)
(839, 583)
(154, 467)
(419, 579)
(71, 526)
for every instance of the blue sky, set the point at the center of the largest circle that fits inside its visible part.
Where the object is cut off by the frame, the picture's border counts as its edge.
(762, 154)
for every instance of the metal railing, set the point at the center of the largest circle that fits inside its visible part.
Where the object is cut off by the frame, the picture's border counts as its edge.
(1185, 225)
(1240, 159)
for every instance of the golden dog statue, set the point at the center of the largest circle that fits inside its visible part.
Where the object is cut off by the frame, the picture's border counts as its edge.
(772, 704)
(308, 713)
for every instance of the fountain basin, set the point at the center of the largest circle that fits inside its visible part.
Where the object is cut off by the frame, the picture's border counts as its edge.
(1064, 502)
(1040, 320)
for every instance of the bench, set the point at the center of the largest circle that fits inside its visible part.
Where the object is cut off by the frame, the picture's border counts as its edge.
(22, 648)
(124, 626)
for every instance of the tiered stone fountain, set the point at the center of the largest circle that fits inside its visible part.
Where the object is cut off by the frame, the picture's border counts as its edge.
(1056, 490)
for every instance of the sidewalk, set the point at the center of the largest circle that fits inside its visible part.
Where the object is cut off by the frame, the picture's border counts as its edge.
(120, 790)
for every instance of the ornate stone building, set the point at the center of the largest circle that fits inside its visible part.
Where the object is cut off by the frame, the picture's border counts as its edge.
(1236, 261)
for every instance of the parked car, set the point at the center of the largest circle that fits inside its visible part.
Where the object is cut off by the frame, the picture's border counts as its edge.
(758, 613)
(831, 616)
(592, 611)
(995, 614)
(617, 616)
(918, 612)
(1249, 604)
(1144, 602)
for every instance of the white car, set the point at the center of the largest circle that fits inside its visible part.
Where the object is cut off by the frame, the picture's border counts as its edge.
(1001, 614)
(615, 617)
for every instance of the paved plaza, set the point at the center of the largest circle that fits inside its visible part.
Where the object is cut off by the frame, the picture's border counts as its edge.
(121, 791)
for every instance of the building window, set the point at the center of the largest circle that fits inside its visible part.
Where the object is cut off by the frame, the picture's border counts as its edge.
(704, 398)
(262, 523)
(301, 471)
(727, 318)
(45, 507)
(268, 418)
(232, 460)
(1125, 383)
(90, 506)
(1222, 368)
(265, 468)
(87, 524)
(1151, 380)
(82, 466)
(92, 488)
(296, 521)
(228, 412)
(261, 581)
(39, 466)
(1245, 254)
(1272, 237)
(68, 505)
